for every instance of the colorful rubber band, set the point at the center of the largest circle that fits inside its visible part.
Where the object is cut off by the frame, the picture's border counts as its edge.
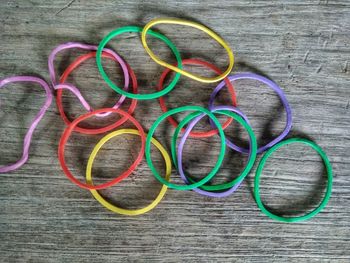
(194, 119)
(63, 86)
(217, 165)
(128, 29)
(326, 198)
(177, 69)
(66, 134)
(216, 70)
(37, 119)
(107, 204)
(274, 87)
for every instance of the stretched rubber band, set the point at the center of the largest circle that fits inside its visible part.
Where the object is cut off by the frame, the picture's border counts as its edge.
(67, 132)
(215, 69)
(128, 29)
(212, 172)
(261, 165)
(175, 68)
(35, 122)
(274, 87)
(107, 204)
(63, 86)
(195, 118)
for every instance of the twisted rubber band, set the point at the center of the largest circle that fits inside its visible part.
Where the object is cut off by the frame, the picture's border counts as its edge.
(217, 165)
(216, 70)
(71, 45)
(175, 68)
(128, 29)
(107, 204)
(274, 87)
(261, 165)
(77, 93)
(38, 117)
(67, 132)
(195, 118)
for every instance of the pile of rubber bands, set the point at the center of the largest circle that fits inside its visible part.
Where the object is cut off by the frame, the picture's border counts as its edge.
(184, 128)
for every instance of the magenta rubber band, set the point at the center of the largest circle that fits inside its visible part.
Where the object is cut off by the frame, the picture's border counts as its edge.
(184, 137)
(83, 46)
(38, 117)
(274, 87)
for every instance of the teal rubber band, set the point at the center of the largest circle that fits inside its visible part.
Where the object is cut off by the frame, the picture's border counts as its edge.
(326, 198)
(218, 162)
(111, 84)
(249, 164)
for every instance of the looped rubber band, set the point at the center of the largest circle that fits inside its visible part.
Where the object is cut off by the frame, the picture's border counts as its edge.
(261, 165)
(37, 119)
(128, 29)
(107, 204)
(216, 70)
(274, 87)
(195, 118)
(212, 172)
(175, 68)
(76, 92)
(67, 132)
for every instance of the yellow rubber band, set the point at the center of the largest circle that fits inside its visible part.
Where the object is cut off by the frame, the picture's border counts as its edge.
(191, 24)
(114, 208)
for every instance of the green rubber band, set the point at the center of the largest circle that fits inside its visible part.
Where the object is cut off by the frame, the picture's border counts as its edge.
(137, 29)
(248, 166)
(325, 200)
(212, 172)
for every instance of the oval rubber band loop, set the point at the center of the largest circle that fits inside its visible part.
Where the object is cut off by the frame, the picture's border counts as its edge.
(175, 68)
(136, 29)
(67, 132)
(35, 122)
(107, 204)
(194, 119)
(76, 92)
(261, 165)
(271, 85)
(229, 88)
(218, 163)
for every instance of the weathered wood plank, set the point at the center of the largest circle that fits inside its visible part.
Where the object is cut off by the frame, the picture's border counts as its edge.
(302, 46)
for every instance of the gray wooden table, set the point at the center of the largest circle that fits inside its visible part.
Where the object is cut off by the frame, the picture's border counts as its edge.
(303, 46)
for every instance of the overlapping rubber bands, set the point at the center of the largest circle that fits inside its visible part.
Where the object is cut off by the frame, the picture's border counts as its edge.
(183, 128)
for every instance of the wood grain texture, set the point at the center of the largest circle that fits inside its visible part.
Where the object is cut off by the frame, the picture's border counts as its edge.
(301, 45)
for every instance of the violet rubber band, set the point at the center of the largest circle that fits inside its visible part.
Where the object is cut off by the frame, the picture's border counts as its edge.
(273, 86)
(38, 117)
(70, 45)
(184, 137)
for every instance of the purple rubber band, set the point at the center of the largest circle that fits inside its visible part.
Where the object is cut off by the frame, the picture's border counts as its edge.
(273, 86)
(38, 117)
(184, 137)
(73, 89)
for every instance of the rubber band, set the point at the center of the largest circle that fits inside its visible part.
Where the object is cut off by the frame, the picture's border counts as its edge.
(261, 165)
(60, 88)
(274, 87)
(175, 68)
(195, 118)
(35, 122)
(128, 29)
(67, 132)
(107, 204)
(212, 172)
(216, 70)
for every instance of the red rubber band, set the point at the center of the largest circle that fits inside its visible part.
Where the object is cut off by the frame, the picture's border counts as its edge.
(64, 77)
(216, 70)
(68, 131)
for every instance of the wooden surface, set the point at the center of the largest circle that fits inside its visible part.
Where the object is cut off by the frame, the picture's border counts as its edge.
(303, 46)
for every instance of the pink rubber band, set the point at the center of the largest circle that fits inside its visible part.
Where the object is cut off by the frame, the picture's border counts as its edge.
(38, 117)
